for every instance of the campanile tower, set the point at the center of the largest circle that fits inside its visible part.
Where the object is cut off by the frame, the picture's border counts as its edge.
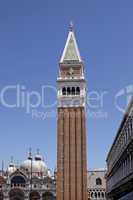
(71, 125)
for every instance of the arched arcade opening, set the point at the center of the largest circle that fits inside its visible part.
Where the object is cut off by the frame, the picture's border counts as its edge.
(16, 194)
(34, 195)
(48, 196)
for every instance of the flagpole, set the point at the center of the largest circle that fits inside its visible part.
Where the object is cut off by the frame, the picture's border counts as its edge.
(2, 168)
(30, 157)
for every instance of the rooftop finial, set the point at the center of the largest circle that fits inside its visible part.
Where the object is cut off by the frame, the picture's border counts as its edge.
(71, 26)
(2, 167)
(30, 154)
(11, 159)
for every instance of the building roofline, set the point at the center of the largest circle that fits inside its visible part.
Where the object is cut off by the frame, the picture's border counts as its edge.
(98, 170)
(126, 114)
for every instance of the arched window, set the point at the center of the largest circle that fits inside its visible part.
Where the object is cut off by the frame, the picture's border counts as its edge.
(92, 195)
(95, 195)
(68, 91)
(77, 91)
(64, 91)
(98, 181)
(18, 181)
(73, 90)
(99, 195)
(89, 194)
(103, 195)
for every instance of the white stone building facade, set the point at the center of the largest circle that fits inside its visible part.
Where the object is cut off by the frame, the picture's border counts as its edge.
(96, 185)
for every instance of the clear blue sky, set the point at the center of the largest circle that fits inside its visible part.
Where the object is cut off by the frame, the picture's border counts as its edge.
(32, 38)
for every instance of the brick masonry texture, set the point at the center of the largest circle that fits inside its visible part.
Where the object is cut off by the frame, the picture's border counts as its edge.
(71, 154)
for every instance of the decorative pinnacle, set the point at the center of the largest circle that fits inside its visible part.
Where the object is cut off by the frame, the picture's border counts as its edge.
(11, 159)
(30, 153)
(71, 26)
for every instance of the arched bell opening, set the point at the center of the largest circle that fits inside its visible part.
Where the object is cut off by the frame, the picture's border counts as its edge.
(68, 91)
(77, 91)
(73, 90)
(64, 91)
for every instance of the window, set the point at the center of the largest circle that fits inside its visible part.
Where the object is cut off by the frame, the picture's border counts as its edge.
(99, 195)
(77, 91)
(73, 90)
(64, 91)
(17, 180)
(103, 195)
(98, 181)
(95, 195)
(68, 91)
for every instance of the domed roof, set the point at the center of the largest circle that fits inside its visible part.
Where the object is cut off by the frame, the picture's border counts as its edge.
(38, 156)
(11, 168)
(37, 165)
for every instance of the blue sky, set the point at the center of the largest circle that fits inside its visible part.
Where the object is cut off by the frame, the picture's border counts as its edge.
(32, 38)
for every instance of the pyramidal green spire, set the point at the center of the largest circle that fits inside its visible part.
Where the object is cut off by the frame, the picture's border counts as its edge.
(71, 51)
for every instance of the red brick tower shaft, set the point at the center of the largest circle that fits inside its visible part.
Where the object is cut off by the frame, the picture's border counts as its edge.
(71, 125)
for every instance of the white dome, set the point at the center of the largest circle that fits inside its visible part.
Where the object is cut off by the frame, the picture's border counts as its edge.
(26, 165)
(11, 168)
(38, 157)
(37, 166)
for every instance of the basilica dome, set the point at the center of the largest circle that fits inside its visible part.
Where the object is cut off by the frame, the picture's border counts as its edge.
(11, 168)
(37, 166)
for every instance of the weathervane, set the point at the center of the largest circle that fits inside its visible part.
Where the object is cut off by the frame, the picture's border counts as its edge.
(71, 26)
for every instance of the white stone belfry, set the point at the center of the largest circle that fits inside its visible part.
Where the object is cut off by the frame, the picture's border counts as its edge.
(71, 82)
